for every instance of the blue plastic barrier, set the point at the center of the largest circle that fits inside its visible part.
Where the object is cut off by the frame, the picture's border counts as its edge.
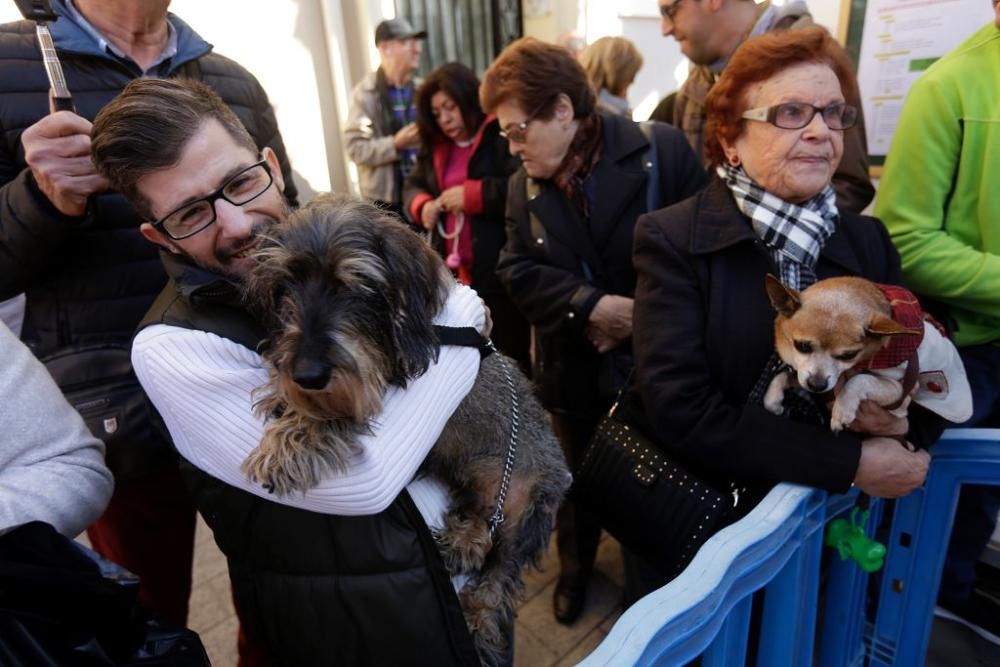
(920, 529)
(706, 610)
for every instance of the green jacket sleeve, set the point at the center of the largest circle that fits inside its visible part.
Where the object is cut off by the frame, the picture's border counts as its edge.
(934, 199)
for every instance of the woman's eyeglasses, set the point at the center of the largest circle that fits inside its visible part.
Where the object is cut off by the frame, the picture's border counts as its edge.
(519, 132)
(796, 115)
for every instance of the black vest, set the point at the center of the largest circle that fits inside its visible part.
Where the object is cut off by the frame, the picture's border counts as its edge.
(318, 589)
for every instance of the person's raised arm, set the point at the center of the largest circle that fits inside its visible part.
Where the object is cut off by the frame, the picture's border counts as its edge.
(42, 204)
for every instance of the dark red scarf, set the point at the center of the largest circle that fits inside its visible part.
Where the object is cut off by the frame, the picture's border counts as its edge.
(581, 156)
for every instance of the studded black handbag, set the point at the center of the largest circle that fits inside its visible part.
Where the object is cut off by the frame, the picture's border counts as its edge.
(645, 500)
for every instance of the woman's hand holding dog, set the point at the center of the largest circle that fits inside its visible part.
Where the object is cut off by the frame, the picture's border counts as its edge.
(610, 322)
(888, 470)
(873, 419)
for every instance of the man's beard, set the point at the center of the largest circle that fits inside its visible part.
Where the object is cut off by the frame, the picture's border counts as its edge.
(224, 254)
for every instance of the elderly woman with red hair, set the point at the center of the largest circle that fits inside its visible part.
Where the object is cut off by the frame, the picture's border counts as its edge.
(703, 326)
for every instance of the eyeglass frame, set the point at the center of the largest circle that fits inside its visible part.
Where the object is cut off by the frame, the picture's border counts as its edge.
(670, 11)
(522, 127)
(770, 114)
(213, 197)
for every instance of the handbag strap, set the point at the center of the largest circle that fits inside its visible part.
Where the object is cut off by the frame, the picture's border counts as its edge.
(621, 392)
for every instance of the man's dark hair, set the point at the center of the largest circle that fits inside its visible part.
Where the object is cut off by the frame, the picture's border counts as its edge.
(146, 127)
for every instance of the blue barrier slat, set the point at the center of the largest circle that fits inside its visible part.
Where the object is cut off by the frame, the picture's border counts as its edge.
(679, 621)
(730, 646)
(680, 645)
(912, 577)
(788, 619)
(842, 640)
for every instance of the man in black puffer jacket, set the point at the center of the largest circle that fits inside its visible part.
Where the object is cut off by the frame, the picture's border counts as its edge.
(88, 273)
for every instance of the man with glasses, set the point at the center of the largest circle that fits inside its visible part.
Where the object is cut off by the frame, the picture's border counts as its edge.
(75, 248)
(708, 32)
(346, 572)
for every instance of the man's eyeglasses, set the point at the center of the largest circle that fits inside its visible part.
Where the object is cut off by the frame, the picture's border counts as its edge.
(191, 218)
(796, 115)
(670, 11)
(519, 132)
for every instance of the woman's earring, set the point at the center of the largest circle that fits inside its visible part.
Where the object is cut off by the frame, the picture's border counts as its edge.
(734, 160)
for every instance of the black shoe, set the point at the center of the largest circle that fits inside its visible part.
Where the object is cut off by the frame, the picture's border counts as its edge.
(980, 614)
(568, 600)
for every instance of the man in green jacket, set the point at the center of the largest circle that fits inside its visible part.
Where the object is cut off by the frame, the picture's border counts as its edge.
(940, 200)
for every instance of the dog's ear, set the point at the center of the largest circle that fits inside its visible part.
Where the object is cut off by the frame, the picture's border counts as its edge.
(784, 299)
(886, 326)
(417, 293)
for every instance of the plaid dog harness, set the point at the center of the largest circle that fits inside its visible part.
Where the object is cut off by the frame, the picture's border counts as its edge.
(934, 374)
(907, 312)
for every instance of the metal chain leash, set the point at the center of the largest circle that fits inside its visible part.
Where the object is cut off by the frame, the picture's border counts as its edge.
(508, 467)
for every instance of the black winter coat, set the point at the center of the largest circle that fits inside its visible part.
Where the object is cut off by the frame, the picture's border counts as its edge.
(557, 276)
(318, 589)
(92, 278)
(704, 330)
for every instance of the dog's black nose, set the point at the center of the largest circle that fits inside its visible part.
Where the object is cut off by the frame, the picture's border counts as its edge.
(311, 374)
(816, 384)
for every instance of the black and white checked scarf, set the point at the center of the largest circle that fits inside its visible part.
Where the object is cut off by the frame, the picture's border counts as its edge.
(794, 235)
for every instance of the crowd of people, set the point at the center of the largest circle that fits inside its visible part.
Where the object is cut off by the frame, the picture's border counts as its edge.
(607, 257)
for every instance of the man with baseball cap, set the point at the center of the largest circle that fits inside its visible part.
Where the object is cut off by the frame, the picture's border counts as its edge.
(381, 135)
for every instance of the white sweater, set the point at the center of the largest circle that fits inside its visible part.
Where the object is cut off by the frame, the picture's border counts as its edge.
(202, 385)
(51, 468)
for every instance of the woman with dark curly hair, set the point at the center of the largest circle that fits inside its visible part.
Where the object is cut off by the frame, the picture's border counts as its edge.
(458, 190)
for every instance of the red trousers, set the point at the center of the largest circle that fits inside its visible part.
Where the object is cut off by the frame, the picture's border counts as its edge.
(148, 528)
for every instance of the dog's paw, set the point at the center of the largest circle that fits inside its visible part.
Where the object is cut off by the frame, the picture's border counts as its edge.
(843, 414)
(774, 404)
(272, 472)
(464, 543)
(774, 397)
(486, 626)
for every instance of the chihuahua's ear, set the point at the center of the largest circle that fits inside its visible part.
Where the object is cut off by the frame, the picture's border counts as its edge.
(784, 299)
(886, 326)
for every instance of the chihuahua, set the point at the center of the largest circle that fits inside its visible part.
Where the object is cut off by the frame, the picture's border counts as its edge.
(875, 338)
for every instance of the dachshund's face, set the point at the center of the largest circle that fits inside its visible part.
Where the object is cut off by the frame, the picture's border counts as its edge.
(349, 293)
